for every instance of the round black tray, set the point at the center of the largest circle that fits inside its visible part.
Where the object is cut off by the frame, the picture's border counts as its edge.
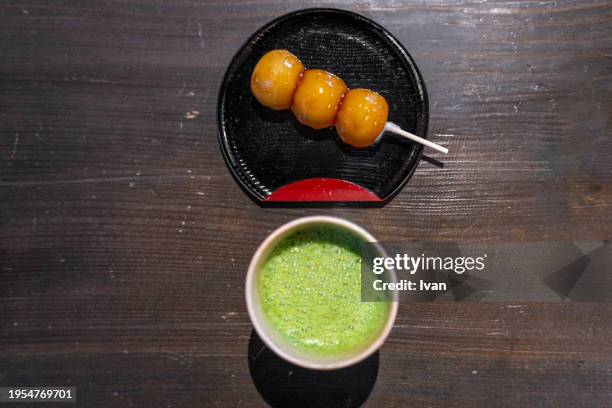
(276, 159)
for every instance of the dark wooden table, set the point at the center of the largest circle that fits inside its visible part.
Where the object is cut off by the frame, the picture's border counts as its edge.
(124, 240)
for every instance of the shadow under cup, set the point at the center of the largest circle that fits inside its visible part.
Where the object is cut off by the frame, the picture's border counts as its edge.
(271, 336)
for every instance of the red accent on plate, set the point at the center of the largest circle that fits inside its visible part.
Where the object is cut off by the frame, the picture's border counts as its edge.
(322, 190)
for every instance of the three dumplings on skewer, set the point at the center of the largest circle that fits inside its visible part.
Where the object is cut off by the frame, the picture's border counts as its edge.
(320, 99)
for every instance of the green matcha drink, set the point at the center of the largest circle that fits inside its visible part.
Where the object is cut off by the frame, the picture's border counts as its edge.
(310, 292)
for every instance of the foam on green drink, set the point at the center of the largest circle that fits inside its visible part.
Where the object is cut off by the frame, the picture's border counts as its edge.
(310, 292)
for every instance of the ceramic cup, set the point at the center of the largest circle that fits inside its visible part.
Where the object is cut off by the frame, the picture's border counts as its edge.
(269, 335)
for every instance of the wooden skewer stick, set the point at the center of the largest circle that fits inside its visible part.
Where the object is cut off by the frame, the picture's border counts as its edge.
(393, 128)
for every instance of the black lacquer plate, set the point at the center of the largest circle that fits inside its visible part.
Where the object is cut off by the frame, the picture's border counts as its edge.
(276, 159)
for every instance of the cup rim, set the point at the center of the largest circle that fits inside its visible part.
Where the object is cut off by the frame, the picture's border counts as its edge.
(250, 287)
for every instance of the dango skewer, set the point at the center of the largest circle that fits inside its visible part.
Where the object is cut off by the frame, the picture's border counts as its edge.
(320, 99)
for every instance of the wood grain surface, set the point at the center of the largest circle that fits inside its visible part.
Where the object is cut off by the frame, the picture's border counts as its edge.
(124, 240)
